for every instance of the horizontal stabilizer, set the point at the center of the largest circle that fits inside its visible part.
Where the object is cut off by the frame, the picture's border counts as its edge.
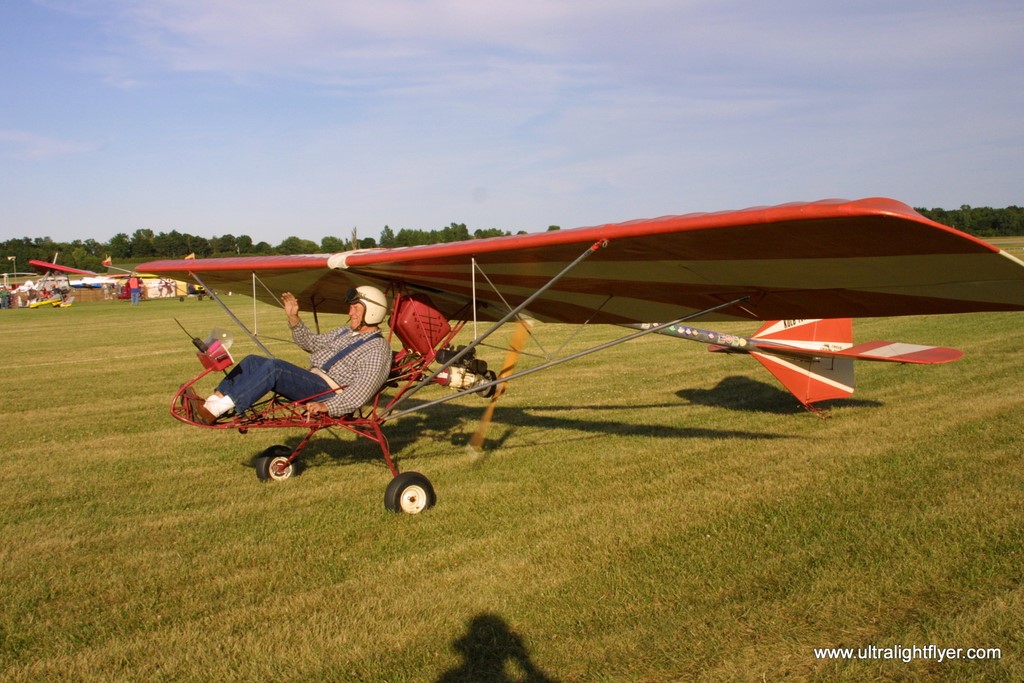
(814, 358)
(898, 352)
(834, 339)
(885, 351)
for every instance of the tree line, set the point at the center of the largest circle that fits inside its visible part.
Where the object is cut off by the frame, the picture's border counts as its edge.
(145, 244)
(980, 221)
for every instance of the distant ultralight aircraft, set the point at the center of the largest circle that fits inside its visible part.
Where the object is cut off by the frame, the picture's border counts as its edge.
(60, 296)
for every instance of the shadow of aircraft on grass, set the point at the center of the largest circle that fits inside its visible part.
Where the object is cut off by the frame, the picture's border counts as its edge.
(454, 423)
(492, 653)
(744, 394)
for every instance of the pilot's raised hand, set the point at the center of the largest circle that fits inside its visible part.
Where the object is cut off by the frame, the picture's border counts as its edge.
(291, 307)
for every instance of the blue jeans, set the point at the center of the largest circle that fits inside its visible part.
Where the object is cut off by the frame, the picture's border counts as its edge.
(135, 296)
(255, 376)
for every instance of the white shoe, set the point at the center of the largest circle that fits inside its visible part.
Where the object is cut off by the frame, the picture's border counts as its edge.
(218, 405)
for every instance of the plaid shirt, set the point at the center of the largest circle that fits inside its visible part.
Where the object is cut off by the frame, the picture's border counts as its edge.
(360, 374)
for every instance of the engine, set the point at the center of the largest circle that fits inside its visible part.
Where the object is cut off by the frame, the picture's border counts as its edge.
(468, 372)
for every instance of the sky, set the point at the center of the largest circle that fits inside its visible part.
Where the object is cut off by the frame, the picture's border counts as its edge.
(312, 118)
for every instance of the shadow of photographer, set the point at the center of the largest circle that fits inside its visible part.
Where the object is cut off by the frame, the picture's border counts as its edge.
(493, 653)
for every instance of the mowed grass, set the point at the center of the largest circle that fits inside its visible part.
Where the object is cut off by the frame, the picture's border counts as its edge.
(650, 513)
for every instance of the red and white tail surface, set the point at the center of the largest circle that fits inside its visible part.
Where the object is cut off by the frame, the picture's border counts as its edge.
(814, 358)
(792, 351)
(812, 335)
(899, 352)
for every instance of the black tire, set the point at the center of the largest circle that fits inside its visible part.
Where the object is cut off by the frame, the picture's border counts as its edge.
(409, 492)
(273, 465)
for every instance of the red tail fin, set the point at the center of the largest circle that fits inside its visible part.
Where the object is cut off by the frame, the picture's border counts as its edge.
(808, 377)
(816, 335)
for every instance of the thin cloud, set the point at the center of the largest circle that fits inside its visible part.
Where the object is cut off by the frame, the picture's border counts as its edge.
(518, 113)
(26, 146)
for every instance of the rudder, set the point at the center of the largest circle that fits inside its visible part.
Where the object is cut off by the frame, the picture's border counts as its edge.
(810, 379)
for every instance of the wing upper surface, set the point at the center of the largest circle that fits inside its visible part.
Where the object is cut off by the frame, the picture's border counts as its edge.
(45, 266)
(828, 259)
(305, 275)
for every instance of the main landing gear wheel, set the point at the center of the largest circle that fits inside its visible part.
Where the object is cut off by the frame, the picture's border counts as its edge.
(273, 465)
(409, 492)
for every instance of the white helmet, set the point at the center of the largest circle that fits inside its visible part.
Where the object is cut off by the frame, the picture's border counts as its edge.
(373, 299)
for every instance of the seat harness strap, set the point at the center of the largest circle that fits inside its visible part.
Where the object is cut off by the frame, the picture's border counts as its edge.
(326, 367)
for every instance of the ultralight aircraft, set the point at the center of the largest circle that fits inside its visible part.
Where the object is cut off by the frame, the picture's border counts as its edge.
(804, 268)
(59, 276)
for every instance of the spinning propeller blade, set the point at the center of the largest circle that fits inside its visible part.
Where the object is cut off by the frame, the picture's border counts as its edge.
(519, 334)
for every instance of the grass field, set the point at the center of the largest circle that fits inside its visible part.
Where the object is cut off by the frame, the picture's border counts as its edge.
(652, 513)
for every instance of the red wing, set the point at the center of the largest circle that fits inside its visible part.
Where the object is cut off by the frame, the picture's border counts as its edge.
(830, 259)
(44, 266)
(306, 276)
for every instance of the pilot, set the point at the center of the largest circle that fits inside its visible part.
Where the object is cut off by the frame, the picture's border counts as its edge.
(348, 365)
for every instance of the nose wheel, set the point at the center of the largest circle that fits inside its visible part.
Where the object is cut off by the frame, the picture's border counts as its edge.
(409, 492)
(274, 464)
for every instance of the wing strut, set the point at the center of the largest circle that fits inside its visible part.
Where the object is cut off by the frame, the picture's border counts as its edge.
(213, 295)
(479, 388)
(511, 314)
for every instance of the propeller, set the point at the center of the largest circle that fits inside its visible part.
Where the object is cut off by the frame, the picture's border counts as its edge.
(519, 334)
